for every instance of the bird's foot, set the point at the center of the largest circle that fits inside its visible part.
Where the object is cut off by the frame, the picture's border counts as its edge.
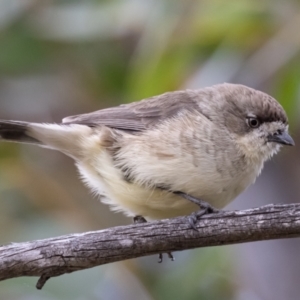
(160, 257)
(140, 219)
(205, 208)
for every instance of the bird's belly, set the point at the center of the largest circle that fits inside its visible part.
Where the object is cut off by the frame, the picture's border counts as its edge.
(133, 199)
(106, 180)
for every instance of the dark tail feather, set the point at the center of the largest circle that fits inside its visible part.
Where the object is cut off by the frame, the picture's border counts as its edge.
(16, 131)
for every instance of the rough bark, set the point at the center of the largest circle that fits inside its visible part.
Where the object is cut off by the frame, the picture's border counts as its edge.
(69, 253)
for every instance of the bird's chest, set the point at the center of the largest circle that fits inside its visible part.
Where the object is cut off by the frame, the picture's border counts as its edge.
(205, 179)
(233, 181)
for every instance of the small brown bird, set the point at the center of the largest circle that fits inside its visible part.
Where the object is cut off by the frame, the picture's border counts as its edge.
(147, 158)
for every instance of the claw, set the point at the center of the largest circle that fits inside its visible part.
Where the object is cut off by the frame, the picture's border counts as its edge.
(194, 217)
(205, 208)
(192, 221)
(160, 257)
(170, 255)
(139, 220)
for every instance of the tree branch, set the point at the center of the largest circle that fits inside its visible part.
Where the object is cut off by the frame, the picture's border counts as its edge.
(69, 253)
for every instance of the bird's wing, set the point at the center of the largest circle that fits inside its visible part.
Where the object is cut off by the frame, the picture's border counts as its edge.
(139, 116)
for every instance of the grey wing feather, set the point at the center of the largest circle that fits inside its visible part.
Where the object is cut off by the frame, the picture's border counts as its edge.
(139, 116)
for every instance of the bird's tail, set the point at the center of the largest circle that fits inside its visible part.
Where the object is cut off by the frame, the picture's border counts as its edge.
(16, 131)
(68, 139)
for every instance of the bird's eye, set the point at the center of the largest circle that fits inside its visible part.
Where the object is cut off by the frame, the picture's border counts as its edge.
(253, 122)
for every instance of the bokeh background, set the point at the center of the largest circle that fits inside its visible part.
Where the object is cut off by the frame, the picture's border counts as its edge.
(59, 58)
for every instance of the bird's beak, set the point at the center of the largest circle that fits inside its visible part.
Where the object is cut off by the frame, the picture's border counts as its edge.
(281, 138)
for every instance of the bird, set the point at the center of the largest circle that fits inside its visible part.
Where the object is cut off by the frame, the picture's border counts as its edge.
(166, 155)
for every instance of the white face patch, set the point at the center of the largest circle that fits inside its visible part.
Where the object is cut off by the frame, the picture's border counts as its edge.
(255, 143)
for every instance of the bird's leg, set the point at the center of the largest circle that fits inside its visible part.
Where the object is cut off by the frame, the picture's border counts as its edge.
(141, 219)
(205, 208)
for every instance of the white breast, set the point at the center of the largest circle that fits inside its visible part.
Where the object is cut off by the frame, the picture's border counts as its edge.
(104, 179)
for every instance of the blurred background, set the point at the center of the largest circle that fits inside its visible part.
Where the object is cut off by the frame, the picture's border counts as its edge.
(59, 58)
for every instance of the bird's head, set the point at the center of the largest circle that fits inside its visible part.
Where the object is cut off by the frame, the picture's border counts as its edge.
(256, 121)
